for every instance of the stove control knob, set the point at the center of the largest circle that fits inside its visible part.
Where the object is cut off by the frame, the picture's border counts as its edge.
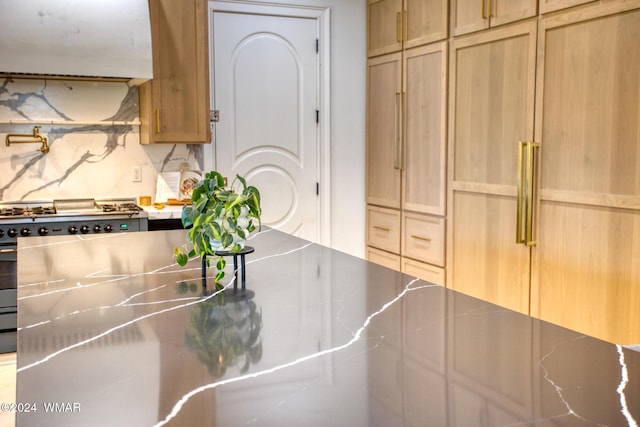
(25, 232)
(108, 228)
(12, 232)
(73, 229)
(1, 232)
(84, 229)
(96, 228)
(43, 231)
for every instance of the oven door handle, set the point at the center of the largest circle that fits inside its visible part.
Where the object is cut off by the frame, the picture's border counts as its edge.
(9, 251)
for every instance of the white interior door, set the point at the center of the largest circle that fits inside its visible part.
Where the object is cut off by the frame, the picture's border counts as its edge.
(265, 79)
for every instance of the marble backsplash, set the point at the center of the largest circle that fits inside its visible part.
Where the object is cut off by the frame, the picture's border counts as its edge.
(94, 138)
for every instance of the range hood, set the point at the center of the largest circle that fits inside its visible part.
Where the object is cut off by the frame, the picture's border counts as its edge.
(87, 39)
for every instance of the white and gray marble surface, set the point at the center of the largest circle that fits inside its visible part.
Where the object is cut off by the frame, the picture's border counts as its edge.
(115, 333)
(94, 135)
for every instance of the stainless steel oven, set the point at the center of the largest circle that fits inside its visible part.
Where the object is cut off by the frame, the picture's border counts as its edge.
(8, 298)
(50, 218)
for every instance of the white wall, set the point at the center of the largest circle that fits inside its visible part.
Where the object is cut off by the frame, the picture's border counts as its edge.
(347, 140)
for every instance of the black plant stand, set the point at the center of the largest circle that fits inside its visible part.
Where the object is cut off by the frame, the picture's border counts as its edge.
(241, 253)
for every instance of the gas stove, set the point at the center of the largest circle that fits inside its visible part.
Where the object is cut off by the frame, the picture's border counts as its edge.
(51, 218)
(69, 216)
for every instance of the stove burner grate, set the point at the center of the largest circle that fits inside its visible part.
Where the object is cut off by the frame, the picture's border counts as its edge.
(34, 211)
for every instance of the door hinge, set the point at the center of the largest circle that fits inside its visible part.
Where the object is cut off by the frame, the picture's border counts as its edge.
(317, 116)
(317, 45)
(317, 188)
(214, 116)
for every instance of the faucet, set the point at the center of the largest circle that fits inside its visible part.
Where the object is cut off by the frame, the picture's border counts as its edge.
(27, 138)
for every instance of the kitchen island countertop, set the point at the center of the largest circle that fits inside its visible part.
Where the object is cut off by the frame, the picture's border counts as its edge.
(113, 332)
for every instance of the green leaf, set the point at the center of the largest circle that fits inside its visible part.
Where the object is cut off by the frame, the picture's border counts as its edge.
(186, 217)
(232, 223)
(219, 178)
(227, 240)
(241, 233)
(182, 259)
(217, 231)
(218, 210)
(233, 200)
(221, 263)
(243, 181)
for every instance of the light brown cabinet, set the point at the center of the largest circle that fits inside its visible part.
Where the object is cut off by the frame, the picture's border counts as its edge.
(384, 92)
(475, 15)
(397, 24)
(384, 26)
(585, 273)
(406, 156)
(576, 107)
(492, 85)
(174, 105)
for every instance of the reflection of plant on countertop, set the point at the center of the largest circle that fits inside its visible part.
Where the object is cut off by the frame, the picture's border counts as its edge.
(221, 219)
(226, 334)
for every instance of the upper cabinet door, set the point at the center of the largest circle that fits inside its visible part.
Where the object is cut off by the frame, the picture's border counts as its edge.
(425, 89)
(384, 32)
(425, 21)
(469, 16)
(547, 6)
(475, 15)
(384, 130)
(174, 106)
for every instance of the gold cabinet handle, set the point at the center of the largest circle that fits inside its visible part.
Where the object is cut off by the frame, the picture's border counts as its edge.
(490, 9)
(398, 148)
(425, 239)
(484, 15)
(377, 227)
(396, 136)
(520, 193)
(525, 212)
(157, 120)
(399, 27)
(405, 26)
(532, 148)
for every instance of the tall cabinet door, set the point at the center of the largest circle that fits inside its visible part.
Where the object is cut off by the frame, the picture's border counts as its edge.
(425, 71)
(586, 267)
(384, 130)
(491, 108)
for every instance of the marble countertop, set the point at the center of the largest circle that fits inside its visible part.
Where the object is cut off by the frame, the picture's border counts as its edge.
(112, 332)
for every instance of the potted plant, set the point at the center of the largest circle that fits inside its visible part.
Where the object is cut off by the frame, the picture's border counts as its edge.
(220, 218)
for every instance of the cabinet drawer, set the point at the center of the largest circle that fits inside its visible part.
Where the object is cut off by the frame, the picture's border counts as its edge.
(383, 229)
(423, 238)
(383, 258)
(423, 271)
